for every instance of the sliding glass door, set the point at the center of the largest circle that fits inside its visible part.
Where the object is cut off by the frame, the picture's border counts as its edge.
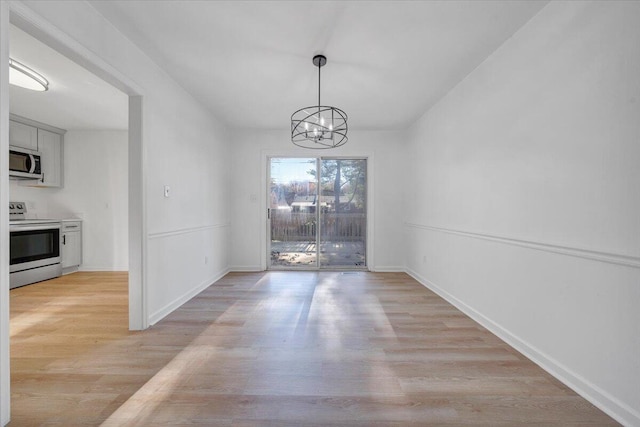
(343, 216)
(317, 213)
(293, 192)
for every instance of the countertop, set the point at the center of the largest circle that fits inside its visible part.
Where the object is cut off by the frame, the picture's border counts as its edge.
(31, 221)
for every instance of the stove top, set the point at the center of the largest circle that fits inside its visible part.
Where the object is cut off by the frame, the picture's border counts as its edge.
(17, 213)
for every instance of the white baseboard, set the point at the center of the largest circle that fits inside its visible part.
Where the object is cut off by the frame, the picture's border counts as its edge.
(169, 308)
(600, 398)
(379, 269)
(388, 269)
(69, 270)
(103, 268)
(247, 268)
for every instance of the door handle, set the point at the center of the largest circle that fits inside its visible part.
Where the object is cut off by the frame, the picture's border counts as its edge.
(64, 239)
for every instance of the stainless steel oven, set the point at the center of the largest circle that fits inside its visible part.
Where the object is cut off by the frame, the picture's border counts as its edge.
(34, 251)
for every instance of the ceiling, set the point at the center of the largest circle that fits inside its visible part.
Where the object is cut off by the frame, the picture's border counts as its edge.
(250, 63)
(76, 99)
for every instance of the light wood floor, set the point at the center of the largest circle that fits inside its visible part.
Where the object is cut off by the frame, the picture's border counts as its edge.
(272, 349)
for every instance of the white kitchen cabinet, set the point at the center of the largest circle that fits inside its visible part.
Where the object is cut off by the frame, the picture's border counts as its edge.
(22, 135)
(50, 147)
(46, 139)
(71, 244)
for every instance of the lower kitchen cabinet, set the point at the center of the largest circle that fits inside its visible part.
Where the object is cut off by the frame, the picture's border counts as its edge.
(71, 244)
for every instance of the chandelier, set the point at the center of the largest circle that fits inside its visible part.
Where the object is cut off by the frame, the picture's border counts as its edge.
(319, 126)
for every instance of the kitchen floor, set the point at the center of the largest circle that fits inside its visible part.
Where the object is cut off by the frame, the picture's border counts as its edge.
(272, 349)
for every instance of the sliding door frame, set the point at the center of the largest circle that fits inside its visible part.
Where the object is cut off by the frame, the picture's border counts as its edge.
(266, 156)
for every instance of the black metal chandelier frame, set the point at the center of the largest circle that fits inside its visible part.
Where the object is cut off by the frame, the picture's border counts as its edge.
(319, 126)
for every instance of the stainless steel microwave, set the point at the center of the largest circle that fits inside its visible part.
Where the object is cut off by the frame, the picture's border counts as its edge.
(24, 164)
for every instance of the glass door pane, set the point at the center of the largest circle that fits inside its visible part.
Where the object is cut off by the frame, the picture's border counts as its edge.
(293, 214)
(343, 202)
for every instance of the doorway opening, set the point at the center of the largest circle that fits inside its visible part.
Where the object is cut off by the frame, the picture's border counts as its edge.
(317, 213)
(59, 41)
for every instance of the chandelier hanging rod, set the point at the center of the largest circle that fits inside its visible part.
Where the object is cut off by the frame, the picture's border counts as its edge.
(319, 61)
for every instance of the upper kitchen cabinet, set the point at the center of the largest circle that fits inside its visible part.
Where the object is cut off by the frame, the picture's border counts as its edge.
(23, 136)
(47, 140)
(50, 147)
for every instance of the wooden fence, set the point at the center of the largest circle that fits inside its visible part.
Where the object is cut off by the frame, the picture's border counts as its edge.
(295, 226)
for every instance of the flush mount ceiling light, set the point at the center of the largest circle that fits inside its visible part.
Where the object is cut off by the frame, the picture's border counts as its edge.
(23, 76)
(319, 126)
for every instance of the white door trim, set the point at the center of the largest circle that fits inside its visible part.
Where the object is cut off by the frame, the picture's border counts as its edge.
(43, 30)
(5, 395)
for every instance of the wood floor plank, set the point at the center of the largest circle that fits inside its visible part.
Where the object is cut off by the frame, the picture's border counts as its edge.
(303, 349)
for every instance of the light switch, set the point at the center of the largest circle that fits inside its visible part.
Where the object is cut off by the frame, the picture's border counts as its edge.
(167, 190)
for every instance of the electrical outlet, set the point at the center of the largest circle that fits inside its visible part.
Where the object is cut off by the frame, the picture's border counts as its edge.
(167, 190)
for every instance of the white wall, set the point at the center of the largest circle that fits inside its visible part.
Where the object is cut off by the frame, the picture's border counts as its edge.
(248, 166)
(95, 190)
(524, 209)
